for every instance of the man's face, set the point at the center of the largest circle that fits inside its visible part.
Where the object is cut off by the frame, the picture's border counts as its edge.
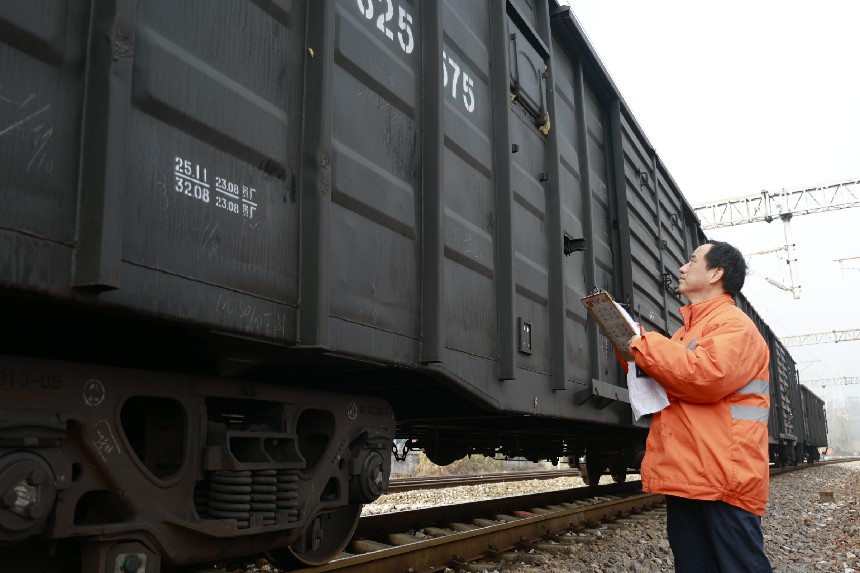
(695, 276)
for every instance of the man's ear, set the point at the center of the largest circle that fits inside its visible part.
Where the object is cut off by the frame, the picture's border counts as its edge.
(717, 274)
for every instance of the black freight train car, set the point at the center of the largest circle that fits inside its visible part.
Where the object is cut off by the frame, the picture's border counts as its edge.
(239, 238)
(812, 430)
(783, 416)
(797, 422)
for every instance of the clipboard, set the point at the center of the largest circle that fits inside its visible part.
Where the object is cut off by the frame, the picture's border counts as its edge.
(612, 321)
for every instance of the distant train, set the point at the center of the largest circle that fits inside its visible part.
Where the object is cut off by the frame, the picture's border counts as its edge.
(243, 245)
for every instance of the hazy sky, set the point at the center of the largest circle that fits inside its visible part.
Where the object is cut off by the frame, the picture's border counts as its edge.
(738, 97)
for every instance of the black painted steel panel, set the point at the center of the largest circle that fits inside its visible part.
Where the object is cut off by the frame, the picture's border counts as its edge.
(304, 174)
(181, 203)
(785, 389)
(780, 417)
(814, 418)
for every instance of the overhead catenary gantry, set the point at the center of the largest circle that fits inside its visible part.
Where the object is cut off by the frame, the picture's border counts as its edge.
(785, 204)
(832, 336)
(824, 382)
(821, 337)
(769, 205)
(844, 267)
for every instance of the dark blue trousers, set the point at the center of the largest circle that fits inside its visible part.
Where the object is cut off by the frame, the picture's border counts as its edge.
(714, 537)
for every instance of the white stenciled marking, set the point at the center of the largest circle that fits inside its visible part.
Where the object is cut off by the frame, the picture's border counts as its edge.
(384, 19)
(105, 443)
(404, 23)
(192, 179)
(384, 16)
(468, 95)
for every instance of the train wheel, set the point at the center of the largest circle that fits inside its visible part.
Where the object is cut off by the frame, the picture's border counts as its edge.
(619, 475)
(593, 468)
(618, 468)
(444, 457)
(322, 541)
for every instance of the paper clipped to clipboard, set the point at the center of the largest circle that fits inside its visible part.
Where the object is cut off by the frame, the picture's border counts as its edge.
(646, 395)
(612, 321)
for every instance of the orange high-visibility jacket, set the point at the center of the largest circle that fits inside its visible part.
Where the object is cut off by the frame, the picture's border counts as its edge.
(710, 442)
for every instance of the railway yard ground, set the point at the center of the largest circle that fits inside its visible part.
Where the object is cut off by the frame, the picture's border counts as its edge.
(802, 533)
(805, 529)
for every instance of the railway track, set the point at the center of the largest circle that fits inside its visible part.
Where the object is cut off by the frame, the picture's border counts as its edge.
(484, 534)
(438, 482)
(506, 529)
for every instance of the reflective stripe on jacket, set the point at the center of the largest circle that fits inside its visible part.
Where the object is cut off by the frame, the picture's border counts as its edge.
(711, 441)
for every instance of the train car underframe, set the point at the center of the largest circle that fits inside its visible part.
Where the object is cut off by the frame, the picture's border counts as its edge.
(592, 449)
(118, 451)
(132, 470)
(125, 469)
(791, 451)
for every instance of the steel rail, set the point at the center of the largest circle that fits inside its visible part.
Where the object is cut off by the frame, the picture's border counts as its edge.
(436, 482)
(505, 523)
(387, 544)
(548, 515)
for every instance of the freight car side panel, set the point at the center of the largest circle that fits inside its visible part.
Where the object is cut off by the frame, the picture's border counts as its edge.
(785, 391)
(814, 418)
(586, 201)
(579, 135)
(180, 201)
(574, 217)
(42, 55)
(374, 252)
(675, 252)
(775, 418)
(469, 316)
(379, 205)
(211, 156)
(797, 406)
(475, 232)
(692, 233)
(602, 199)
(473, 227)
(530, 225)
(643, 213)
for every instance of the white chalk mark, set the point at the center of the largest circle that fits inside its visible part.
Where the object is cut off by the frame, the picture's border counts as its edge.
(25, 120)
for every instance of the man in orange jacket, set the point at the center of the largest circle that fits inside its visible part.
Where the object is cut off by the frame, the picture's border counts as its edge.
(707, 451)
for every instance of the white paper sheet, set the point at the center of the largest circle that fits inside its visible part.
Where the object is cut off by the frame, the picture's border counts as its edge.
(646, 395)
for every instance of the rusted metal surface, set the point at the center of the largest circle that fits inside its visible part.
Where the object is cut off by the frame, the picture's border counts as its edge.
(124, 470)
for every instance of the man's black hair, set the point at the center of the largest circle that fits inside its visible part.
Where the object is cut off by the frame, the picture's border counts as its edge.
(725, 256)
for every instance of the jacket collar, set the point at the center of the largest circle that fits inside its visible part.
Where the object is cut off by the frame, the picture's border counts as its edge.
(693, 313)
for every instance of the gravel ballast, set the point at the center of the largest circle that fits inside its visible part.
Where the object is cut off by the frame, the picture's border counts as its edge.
(803, 530)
